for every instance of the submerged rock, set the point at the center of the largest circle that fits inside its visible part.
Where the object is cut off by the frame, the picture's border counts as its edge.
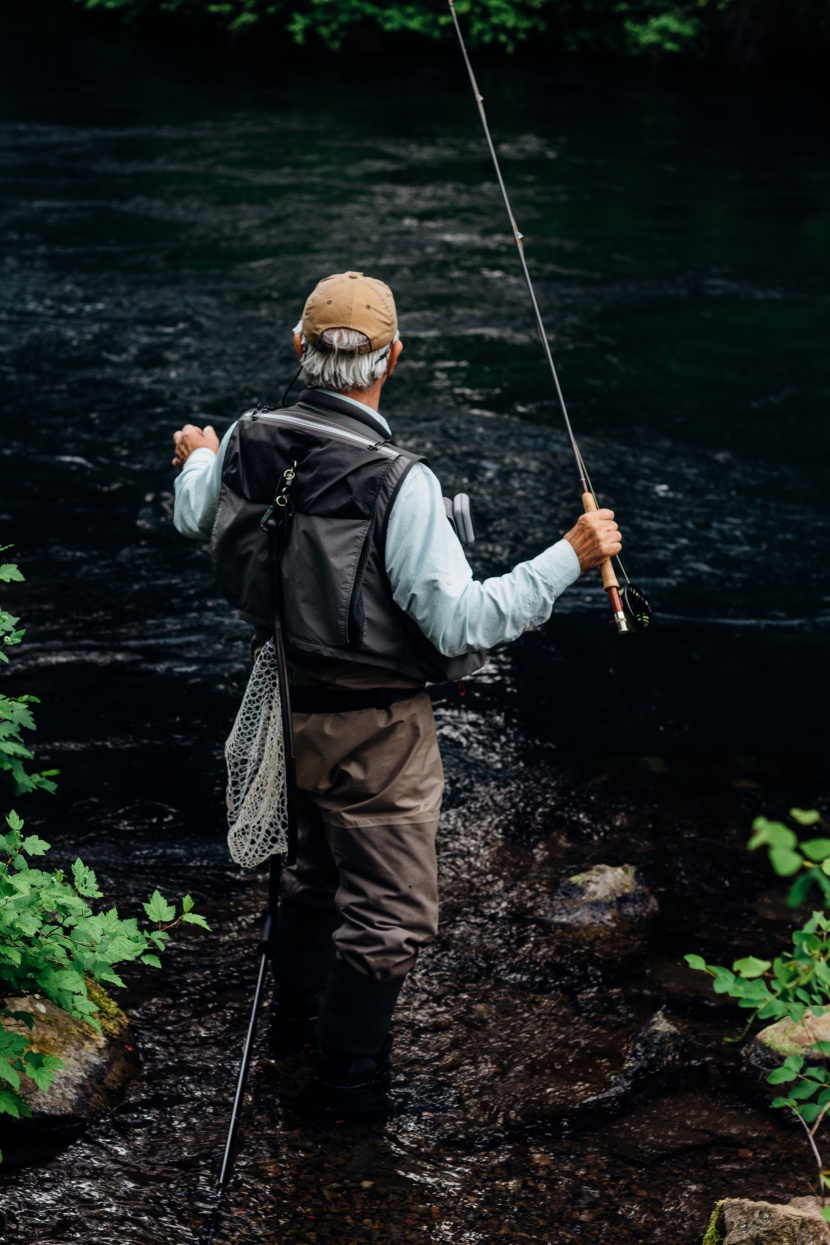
(737, 1221)
(98, 1067)
(605, 895)
(518, 1059)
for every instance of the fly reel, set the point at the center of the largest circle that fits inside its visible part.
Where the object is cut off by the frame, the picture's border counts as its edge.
(636, 608)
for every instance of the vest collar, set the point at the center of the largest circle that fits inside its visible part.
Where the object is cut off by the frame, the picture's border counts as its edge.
(344, 413)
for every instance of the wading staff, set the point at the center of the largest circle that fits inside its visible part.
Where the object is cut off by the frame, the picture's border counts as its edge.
(630, 608)
(275, 523)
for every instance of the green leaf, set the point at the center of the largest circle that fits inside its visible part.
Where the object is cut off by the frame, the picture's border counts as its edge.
(152, 960)
(187, 904)
(8, 1073)
(779, 1076)
(158, 909)
(805, 817)
(193, 918)
(13, 821)
(807, 1089)
(749, 966)
(800, 887)
(35, 846)
(10, 574)
(825, 1210)
(816, 849)
(695, 961)
(11, 1104)
(785, 862)
(86, 882)
(808, 1111)
(772, 833)
(782, 1102)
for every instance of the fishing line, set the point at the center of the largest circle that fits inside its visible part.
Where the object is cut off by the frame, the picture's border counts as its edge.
(630, 607)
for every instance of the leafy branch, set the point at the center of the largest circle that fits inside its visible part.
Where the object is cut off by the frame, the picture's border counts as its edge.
(796, 984)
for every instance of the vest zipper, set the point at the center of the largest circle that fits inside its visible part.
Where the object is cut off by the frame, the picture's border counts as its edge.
(332, 432)
(355, 623)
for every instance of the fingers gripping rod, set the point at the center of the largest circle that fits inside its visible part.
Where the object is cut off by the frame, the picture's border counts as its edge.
(589, 501)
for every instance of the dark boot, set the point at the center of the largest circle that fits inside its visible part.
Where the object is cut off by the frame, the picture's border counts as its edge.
(301, 967)
(346, 1089)
(351, 1080)
(294, 1021)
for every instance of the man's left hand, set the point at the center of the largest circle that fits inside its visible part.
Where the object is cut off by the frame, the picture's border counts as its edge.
(191, 438)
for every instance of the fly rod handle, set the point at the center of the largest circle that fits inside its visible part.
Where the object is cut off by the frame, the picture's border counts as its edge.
(609, 579)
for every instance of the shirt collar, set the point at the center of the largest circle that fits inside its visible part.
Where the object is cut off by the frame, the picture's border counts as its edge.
(361, 406)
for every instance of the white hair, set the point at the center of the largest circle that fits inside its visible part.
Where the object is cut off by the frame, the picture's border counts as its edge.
(338, 367)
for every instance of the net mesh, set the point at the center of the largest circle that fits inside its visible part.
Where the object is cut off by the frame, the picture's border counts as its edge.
(256, 796)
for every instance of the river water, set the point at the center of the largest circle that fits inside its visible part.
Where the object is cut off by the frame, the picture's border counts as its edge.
(163, 223)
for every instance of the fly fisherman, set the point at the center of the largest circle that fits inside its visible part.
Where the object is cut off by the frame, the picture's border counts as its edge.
(379, 600)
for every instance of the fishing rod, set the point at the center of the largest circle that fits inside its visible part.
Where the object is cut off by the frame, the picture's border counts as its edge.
(630, 608)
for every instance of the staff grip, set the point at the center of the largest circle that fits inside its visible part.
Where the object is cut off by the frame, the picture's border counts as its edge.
(609, 579)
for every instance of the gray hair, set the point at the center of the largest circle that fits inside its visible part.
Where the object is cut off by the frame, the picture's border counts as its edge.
(338, 367)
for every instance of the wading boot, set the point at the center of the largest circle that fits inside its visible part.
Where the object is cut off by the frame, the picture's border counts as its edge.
(351, 1081)
(294, 1021)
(301, 965)
(346, 1089)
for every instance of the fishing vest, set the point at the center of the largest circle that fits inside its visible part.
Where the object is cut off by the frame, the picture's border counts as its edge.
(337, 598)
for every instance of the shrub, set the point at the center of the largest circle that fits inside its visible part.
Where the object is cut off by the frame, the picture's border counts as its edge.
(53, 942)
(796, 985)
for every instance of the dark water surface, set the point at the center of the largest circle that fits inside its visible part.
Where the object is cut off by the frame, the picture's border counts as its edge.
(162, 227)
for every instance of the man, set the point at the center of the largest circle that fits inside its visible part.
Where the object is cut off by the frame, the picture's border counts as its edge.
(379, 600)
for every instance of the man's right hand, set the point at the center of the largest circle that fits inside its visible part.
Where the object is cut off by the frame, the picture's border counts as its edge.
(594, 538)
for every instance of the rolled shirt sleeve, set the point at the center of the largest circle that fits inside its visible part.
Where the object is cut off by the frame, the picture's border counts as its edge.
(197, 490)
(432, 580)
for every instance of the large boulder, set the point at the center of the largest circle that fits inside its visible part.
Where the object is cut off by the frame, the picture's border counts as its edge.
(772, 1045)
(737, 1221)
(98, 1067)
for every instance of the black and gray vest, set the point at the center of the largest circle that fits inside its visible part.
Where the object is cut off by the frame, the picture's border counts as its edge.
(337, 598)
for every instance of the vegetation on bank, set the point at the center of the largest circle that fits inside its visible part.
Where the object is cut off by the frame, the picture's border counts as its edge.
(746, 33)
(56, 941)
(794, 987)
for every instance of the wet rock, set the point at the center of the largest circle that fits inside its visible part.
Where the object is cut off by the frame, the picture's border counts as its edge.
(737, 1221)
(657, 1057)
(771, 1046)
(680, 1122)
(529, 1058)
(605, 896)
(98, 1067)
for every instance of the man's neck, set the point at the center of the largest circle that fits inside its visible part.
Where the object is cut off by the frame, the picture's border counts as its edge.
(369, 397)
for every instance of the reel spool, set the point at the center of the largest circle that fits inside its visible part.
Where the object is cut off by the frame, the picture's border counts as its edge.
(638, 613)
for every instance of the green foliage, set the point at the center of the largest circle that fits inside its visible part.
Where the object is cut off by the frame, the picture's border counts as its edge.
(53, 942)
(15, 713)
(795, 986)
(635, 27)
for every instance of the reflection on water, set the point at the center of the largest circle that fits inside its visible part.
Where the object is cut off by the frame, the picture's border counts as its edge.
(162, 230)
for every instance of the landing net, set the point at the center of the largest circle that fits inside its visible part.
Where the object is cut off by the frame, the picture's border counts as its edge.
(256, 795)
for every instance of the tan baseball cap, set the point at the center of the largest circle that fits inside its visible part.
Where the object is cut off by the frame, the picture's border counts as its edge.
(348, 300)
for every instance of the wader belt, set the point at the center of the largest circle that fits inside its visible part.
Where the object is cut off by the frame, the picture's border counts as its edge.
(347, 699)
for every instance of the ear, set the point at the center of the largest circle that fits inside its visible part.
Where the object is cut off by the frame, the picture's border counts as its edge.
(394, 354)
(298, 346)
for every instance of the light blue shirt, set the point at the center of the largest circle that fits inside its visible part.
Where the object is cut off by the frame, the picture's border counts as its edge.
(428, 571)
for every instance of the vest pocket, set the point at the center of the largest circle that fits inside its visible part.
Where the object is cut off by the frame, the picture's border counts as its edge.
(322, 575)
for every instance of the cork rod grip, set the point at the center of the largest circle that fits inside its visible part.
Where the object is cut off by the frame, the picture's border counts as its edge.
(609, 579)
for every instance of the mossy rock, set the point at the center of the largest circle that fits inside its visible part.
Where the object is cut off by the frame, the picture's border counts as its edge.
(98, 1067)
(739, 1221)
(772, 1045)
